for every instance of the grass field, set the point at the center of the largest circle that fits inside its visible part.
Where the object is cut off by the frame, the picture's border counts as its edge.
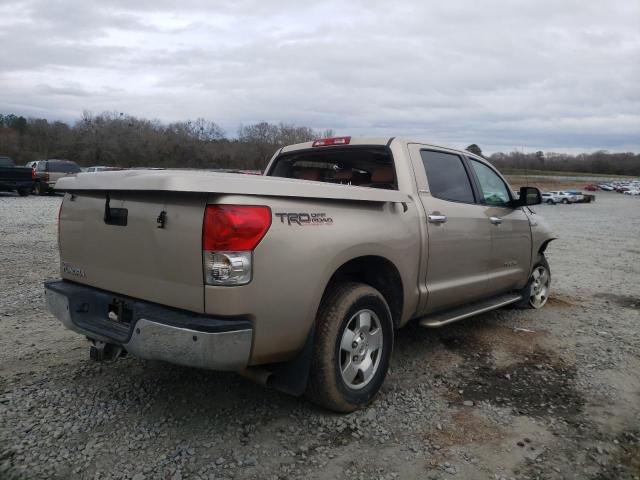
(556, 173)
(547, 180)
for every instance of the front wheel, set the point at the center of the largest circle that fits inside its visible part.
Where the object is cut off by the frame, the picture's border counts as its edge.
(565, 201)
(536, 292)
(353, 344)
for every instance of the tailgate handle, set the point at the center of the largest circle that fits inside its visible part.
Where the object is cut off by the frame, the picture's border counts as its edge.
(114, 216)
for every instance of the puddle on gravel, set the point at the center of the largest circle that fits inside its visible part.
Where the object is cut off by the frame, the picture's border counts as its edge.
(535, 383)
(625, 301)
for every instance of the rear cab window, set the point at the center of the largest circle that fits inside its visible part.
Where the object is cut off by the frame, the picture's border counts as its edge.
(59, 166)
(356, 165)
(447, 176)
(6, 162)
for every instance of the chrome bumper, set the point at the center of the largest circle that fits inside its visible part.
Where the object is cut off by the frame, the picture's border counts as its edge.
(153, 340)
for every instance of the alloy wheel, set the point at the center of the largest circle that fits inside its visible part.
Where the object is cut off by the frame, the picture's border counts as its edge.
(539, 287)
(360, 349)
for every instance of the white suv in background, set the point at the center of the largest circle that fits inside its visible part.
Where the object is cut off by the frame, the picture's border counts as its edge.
(550, 198)
(565, 197)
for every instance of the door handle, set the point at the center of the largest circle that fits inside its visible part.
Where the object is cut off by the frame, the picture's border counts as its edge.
(495, 220)
(436, 218)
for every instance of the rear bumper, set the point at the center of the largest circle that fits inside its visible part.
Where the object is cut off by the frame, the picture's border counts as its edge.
(152, 331)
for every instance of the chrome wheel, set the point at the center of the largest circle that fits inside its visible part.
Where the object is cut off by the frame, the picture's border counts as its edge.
(360, 349)
(539, 293)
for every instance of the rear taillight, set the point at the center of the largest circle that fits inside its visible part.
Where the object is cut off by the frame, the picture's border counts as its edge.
(324, 142)
(33, 174)
(230, 233)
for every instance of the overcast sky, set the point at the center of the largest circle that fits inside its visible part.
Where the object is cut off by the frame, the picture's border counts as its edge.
(538, 74)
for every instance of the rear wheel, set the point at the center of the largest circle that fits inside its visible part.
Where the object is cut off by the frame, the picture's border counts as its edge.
(353, 344)
(565, 201)
(38, 189)
(23, 192)
(536, 293)
(551, 202)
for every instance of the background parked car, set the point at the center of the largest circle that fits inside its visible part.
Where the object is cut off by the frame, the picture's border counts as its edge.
(565, 197)
(582, 197)
(48, 172)
(15, 178)
(102, 169)
(550, 198)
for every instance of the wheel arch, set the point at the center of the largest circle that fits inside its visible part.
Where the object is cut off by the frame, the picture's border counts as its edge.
(544, 245)
(374, 270)
(377, 272)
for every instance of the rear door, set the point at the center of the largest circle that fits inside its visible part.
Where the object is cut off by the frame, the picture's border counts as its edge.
(459, 235)
(510, 231)
(138, 256)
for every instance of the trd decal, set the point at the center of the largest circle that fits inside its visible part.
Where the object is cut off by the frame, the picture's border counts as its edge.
(304, 219)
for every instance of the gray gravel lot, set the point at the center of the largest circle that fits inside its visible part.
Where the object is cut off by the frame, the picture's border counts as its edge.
(553, 393)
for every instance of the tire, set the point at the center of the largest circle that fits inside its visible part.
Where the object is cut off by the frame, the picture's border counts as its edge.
(23, 192)
(39, 190)
(536, 294)
(565, 201)
(551, 202)
(342, 316)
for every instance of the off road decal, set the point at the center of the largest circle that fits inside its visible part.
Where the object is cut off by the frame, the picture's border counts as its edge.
(304, 219)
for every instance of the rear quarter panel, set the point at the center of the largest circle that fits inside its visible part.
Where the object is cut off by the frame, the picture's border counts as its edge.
(294, 263)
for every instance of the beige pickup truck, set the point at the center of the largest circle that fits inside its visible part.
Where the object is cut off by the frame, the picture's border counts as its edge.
(299, 277)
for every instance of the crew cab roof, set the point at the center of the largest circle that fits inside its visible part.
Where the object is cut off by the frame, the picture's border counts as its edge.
(381, 141)
(354, 141)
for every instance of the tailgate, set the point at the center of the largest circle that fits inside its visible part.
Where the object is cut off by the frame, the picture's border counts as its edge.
(135, 257)
(16, 174)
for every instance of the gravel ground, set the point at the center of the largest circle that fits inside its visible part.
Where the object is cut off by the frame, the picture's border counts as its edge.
(553, 393)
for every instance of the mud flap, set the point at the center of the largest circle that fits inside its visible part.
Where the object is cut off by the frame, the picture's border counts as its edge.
(291, 377)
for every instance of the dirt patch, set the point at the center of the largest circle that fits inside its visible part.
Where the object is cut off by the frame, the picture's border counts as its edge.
(536, 387)
(467, 428)
(625, 461)
(538, 384)
(514, 339)
(563, 301)
(624, 301)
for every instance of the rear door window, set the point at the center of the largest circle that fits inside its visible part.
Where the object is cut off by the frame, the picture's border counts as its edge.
(63, 167)
(447, 176)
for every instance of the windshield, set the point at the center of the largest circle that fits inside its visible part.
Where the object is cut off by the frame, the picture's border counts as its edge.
(359, 166)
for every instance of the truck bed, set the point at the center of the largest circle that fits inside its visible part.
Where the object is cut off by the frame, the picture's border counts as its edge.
(196, 181)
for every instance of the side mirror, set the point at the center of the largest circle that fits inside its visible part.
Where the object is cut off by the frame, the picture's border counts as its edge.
(528, 196)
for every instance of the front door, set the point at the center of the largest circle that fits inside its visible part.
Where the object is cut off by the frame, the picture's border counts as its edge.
(459, 235)
(510, 232)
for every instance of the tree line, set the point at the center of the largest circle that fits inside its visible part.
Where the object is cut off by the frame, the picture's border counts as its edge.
(117, 139)
(599, 162)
